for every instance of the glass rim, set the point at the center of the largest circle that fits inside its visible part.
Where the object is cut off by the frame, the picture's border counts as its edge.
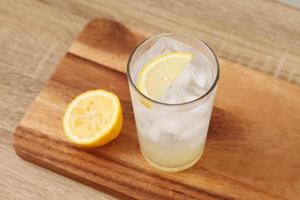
(173, 104)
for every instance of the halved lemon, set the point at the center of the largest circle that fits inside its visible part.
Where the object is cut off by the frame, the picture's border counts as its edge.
(93, 118)
(157, 75)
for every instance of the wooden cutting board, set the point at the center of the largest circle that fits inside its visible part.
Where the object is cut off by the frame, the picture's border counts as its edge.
(253, 145)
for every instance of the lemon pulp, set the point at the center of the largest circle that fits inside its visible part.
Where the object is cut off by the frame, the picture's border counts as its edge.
(93, 118)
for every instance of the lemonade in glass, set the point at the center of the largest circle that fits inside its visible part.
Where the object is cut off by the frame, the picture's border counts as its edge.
(172, 81)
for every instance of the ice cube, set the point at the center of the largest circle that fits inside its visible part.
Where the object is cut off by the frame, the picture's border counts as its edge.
(168, 125)
(202, 74)
(199, 79)
(172, 45)
(154, 133)
(196, 129)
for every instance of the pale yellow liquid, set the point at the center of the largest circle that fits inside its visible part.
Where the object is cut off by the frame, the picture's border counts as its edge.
(170, 157)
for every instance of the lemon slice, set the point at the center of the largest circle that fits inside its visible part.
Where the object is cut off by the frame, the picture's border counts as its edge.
(157, 75)
(93, 118)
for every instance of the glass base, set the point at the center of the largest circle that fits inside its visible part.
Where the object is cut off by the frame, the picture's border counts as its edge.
(171, 169)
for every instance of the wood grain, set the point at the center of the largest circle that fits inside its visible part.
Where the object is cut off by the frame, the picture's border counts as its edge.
(35, 34)
(19, 182)
(248, 135)
(259, 34)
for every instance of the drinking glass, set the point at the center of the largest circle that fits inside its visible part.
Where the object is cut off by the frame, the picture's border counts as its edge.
(172, 136)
